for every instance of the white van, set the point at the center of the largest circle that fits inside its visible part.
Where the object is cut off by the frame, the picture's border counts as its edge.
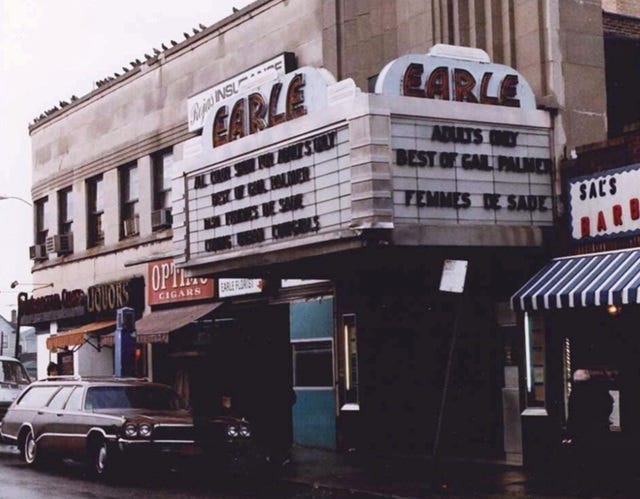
(13, 379)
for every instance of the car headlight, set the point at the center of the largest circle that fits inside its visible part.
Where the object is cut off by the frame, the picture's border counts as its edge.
(144, 430)
(244, 432)
(130, 430)
(232, 431)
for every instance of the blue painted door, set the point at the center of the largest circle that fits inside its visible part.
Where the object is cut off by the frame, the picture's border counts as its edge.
(311, 327)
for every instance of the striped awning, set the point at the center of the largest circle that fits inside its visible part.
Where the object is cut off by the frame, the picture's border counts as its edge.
(583, 281)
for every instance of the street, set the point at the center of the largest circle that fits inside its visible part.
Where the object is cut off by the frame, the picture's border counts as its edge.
(320, 476)
(72, 480)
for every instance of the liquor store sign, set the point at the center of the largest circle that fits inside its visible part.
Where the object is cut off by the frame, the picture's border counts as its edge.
(56, 306)
(100, 300)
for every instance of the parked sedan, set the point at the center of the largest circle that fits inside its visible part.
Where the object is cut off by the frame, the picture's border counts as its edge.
(13, 379)
(108, 422)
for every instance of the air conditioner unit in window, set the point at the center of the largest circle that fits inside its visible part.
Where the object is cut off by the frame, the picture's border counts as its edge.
(161, 218)
(131, 227)
(38, 252)
(62, 244)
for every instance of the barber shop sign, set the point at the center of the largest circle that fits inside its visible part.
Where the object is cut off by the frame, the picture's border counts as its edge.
(605, 205)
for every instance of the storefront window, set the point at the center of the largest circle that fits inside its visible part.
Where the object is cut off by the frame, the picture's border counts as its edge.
(598, 371)
(312, 364)
(535, 359)
(65, 363)
(348, 363)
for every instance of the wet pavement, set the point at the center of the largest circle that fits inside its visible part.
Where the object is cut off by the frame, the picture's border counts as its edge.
(316, 473)
(417, 478)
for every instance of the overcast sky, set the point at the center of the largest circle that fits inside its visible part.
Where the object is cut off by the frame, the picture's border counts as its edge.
(51, 50)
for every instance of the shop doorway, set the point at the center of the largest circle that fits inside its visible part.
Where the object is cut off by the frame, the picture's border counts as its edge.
(314, 411)
(240, 356)
(607, 346)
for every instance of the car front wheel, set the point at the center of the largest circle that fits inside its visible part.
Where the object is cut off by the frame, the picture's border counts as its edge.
(30, 449)
(103, 459)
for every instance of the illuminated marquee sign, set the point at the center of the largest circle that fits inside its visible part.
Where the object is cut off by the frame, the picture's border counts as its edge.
(284, 194)
(168, 284)
(271, 103)
(456, 165)
(101, 300)
(476, 174)
(434, 77)
(605, 205)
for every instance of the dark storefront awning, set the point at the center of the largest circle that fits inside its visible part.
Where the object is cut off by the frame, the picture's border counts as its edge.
(76, 336)
(597, 279)
(156, 327)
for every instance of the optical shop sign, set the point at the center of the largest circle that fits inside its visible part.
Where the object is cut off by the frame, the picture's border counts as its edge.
(606, 205)
(168, 284)
(453, 169)
(285, 193)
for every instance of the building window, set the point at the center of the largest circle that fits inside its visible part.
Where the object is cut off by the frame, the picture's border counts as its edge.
(95, 208)
(42, 230)
(312, 364)
(348, 363)
(65, 211)
(129, 216)
(162, 171)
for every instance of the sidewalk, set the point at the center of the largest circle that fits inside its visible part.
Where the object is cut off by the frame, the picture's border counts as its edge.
(417, 478)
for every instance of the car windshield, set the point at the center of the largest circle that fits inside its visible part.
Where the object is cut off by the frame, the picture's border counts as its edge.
(132, 397)
(13, 372)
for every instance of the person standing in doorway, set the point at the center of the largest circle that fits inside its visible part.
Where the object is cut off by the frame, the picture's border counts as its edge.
(590, 406)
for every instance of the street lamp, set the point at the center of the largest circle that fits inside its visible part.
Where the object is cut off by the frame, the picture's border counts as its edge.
(39, 285)
(3, 197)
(22, 296)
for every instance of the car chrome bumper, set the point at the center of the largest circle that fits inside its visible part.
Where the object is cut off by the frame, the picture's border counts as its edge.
(159, 447)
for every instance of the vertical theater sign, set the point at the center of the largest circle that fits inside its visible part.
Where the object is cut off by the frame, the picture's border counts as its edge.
(301, 160)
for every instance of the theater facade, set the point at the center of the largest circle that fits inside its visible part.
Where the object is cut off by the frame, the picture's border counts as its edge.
(303, 176)
(284, 188)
